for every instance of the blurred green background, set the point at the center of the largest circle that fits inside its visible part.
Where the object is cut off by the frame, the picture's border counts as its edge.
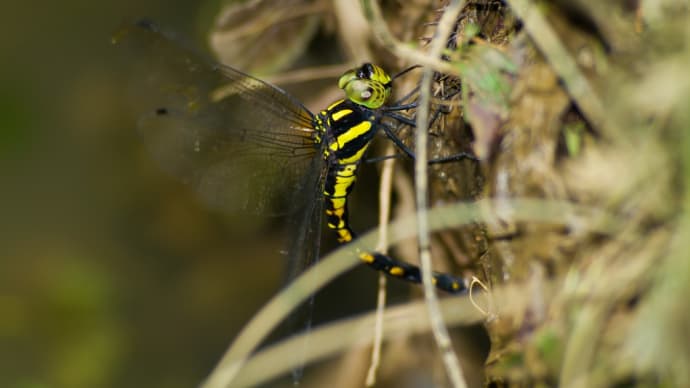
(112, 273)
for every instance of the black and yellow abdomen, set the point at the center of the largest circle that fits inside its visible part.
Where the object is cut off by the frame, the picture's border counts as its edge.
(348, 130)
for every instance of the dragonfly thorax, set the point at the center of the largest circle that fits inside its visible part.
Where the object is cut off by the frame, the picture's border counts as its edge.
(347, 129)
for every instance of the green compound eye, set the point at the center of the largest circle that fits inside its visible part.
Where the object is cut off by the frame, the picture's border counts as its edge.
(368, 85)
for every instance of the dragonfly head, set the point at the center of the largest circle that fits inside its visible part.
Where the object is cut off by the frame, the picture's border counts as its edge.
(367, 85)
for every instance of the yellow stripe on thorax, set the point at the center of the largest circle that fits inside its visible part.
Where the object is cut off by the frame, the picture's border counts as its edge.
(340, 114)
(350, 134)
(354, 132)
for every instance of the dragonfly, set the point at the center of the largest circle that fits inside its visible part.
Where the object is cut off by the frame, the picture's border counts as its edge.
(247, 145)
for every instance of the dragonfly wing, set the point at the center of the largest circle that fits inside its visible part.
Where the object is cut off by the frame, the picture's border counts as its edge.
(303, 252)
(242, 143)
(306, 236)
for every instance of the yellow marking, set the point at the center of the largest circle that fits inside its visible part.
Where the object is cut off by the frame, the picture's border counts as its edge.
(336, 212)
(343, 180)
(347, 173)
(367, 258)
(396, 271)
(333, 105)
(341, 185)
(380, 95)
(350, 169)
(344, 236)
(380, 75)
(354, 158)
(434, 281)
(337, 203)
(340, 190)
(353, 133)
(455, 286)
(340, 114)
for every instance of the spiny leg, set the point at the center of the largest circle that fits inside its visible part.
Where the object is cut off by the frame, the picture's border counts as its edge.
(407, 151)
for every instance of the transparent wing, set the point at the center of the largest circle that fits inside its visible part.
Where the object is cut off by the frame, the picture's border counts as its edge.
(243, 143)
(303, 251)
(306, 228)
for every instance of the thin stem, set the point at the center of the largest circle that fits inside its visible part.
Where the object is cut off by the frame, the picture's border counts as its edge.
(381, 246)
(440, 331)
(372, 12)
